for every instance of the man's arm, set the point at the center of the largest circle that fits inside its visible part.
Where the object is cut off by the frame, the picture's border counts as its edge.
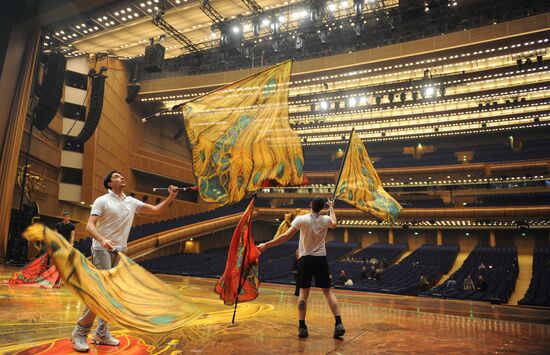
(158, 209)
(280, 240)
(72, 237)
(331, 213)
(91, 228)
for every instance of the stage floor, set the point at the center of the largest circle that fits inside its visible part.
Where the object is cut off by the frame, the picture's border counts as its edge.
(34, 320)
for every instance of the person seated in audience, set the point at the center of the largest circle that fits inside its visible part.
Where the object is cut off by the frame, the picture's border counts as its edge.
(364, 272)
(343, 277)
(481, 266)
(377, 274)
(481, 284)
(349, 282)
(468, 284)
(451, 284)
(372, 271)
(424, 284)
(383, 263)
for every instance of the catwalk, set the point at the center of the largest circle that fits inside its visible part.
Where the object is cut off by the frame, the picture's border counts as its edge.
(34, 320)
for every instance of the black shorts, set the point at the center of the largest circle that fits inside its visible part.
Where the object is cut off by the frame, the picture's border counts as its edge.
(313, 266)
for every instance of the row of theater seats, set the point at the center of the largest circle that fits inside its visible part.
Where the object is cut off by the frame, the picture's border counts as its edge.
(431, 261)
(500, 271)
(157, 227)
(533, 149)
(275, 264)
(538, 293)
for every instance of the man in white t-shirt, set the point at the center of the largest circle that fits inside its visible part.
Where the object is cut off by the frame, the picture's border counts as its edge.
(109, 224)
(313, 260)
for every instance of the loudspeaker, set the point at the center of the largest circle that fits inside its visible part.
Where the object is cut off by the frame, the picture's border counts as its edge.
(154, 58)
(52, 88)
(94, 114)
(17, 245)
(133, 91)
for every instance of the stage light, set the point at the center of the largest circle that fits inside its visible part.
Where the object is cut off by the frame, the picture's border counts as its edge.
(352, 102)
(299, 42)
(323, 35)
(357, 7)
(266, 22)
(324, 105)
(236, 29)
(358, 28)
(428, 92)
(332, 7)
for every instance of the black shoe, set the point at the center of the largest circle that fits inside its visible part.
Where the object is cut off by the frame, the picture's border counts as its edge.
(339, 330)
(302, 332)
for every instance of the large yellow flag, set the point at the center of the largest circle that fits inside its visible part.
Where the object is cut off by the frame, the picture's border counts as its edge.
(240, 136)
(360, 186)
(126, 295)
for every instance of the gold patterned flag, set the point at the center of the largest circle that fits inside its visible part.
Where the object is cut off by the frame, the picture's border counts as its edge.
(240, 137)
(360, 186)
(126, 295)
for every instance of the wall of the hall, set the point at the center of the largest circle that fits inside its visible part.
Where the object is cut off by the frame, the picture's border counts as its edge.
(121, 141)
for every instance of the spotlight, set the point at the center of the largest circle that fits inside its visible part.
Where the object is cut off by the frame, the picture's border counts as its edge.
(299, 42)
(276, 45)
(428, 92)
(323, 35)
(324, 105)
(358, 28)
(236, 29)
(403, 96)
(256, 27)
(352, 102)
(357, 7)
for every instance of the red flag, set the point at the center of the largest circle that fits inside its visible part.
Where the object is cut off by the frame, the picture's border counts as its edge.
(37, 273)
(241, 270)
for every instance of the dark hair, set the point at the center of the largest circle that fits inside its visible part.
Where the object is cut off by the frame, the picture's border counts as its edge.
(107, 178)
(66, 213)
(317, 204)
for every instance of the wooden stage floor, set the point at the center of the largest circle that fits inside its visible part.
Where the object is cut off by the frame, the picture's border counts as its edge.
(34, 320)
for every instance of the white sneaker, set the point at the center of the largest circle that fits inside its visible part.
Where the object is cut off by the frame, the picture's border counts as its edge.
(106, 340)
(80, 341)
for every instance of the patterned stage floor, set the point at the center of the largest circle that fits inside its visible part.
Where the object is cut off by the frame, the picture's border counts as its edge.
(34, 320)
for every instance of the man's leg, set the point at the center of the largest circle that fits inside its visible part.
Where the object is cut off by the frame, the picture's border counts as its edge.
(302, 309)
(339, 329)
(102, 336)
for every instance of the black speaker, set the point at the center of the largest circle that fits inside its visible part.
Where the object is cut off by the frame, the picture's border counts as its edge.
(154, 58)
(52, 88)
(17, 245)
(94, 113)
(133, 91)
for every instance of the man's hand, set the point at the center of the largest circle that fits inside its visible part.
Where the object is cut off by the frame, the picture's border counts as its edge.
(261, 247)
(173, 191)
(330, 203)
(106, 244)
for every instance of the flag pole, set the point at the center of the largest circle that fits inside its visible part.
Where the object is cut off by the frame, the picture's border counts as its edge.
(240, 277)
(342, 164)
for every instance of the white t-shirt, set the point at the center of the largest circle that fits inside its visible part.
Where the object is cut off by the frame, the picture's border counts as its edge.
(115, 218)
(313, 230)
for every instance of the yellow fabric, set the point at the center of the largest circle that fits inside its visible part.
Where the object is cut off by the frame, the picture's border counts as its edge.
(126, 295)
(360, 186)
(289, 217)
(240, 137)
